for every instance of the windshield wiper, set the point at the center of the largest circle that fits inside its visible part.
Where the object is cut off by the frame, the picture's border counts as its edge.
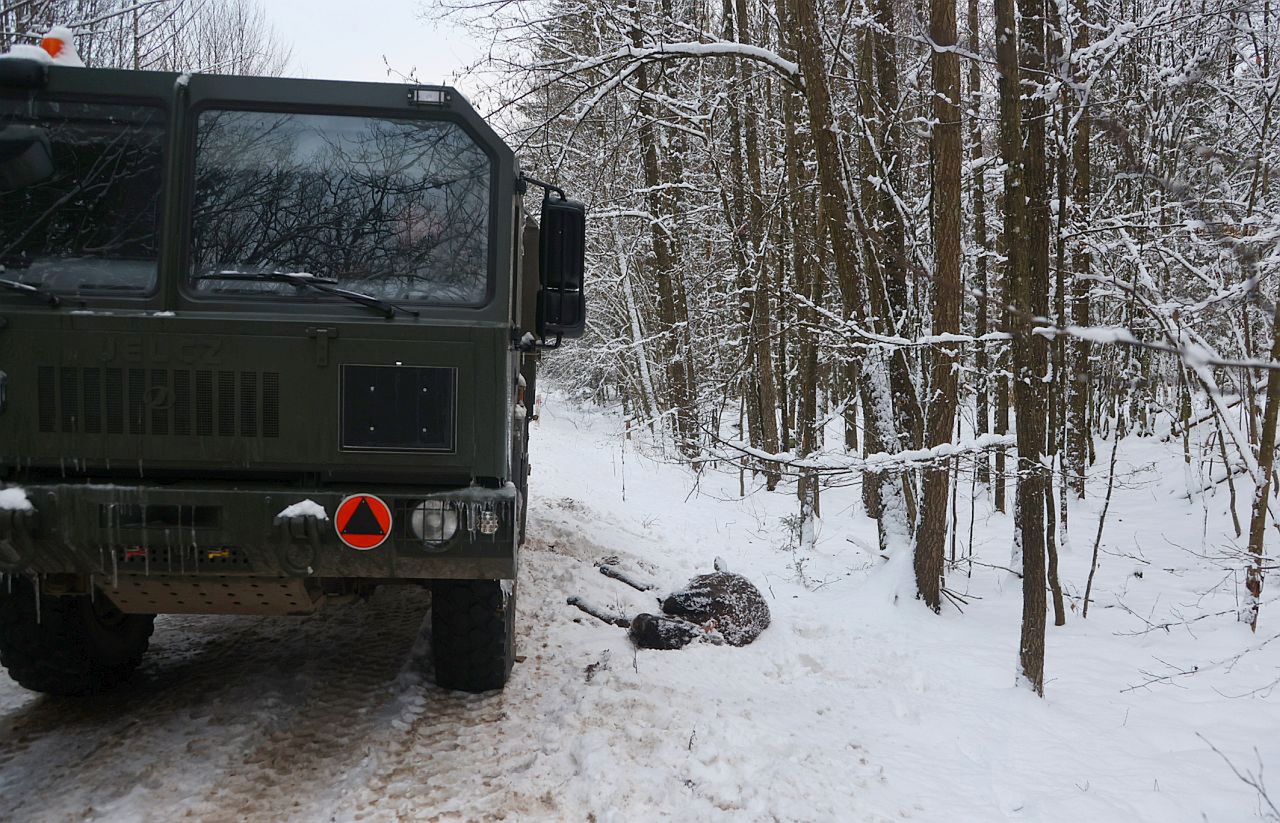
(320, 284)
(35, 291)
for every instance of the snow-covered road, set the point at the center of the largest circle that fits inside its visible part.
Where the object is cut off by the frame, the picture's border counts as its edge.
(850, 707)
(230, 716)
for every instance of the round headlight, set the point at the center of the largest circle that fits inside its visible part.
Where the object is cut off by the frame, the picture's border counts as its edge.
(433, 521)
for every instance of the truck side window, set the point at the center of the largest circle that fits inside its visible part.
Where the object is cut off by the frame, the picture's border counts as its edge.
(398, 209)
(92, 225)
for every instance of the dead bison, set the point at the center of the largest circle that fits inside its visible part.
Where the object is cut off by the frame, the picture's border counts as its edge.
(720, 605)
(656, 631)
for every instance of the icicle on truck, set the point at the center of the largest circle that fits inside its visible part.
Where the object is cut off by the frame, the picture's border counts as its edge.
(264, 343)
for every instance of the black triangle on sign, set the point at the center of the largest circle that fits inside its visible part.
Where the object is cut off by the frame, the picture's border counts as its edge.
(363, 521)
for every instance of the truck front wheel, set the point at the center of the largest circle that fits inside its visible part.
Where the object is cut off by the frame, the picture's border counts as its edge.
(473, 633)
(69, 644)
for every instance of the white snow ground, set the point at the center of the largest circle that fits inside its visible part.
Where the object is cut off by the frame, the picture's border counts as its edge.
(850, 707)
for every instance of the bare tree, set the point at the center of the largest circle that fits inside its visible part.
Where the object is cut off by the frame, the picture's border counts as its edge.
(777, 187)
(947, 151)
(211, 36)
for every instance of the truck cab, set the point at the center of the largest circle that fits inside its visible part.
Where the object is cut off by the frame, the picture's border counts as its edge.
(264, 343)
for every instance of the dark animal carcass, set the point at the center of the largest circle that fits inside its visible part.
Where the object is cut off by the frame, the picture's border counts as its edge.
(656, 631)
(717, 606)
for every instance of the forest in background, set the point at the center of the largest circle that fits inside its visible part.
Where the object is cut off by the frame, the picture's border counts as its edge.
(901, 245)
(911, 245)
(211, 36)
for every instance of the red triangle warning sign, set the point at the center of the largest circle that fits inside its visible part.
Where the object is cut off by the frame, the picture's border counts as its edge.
(363, 521)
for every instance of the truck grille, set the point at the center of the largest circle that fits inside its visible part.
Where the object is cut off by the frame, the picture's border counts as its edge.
(204, 402)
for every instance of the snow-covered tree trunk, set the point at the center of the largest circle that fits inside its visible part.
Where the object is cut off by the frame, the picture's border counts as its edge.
(1079, 435)
(947, 152)
(1262, 494)
(1028, 369)
(835, 206)
(977, 160)
(665, 269)
(640, 345)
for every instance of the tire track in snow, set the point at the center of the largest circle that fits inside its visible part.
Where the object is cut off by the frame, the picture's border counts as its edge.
(449, 756)
(318, 718)
(214, 688)
(497, 756)
(337, 715)
(54, 748)
(521, 755)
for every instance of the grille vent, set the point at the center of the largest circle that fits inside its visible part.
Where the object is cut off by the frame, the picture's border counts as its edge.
(158, 402)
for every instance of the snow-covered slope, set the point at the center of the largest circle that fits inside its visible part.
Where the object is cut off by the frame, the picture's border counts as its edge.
(856, 704)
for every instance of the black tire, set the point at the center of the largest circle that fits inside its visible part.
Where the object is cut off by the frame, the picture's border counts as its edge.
(71, 645)
(472, 634)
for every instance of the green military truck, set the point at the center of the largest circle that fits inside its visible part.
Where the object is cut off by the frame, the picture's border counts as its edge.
(264, 344)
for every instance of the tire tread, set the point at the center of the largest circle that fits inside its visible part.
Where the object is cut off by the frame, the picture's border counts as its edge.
(50, 650)
(472, 628)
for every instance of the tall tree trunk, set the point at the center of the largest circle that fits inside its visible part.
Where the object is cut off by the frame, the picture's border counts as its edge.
(1262, 495)
(982, 405)
(1000, 382)
(807, 488)
(762, 315)
(1031, 352)
(733, 193)
(783, 283)
(648, 393)
(1079, 434)
(1057, 399)
(810, 281)
(889, 298)
(672, 307)
(868, 198)
(835, 208)
(1028, 356)
(947, 151)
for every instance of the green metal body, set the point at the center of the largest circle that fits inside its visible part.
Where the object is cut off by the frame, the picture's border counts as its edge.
(186, 485)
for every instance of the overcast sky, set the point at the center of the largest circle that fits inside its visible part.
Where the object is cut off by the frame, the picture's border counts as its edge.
(344, 40)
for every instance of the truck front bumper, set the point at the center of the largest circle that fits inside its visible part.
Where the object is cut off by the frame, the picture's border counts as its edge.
(191, 529)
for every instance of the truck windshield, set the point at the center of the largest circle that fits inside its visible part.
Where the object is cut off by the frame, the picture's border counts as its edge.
(396, 209)
(87, 220)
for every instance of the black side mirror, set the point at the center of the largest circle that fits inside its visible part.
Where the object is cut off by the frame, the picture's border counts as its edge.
(26, 157)
(562, 307)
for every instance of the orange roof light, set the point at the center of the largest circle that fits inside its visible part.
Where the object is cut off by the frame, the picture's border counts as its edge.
(53, 45)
